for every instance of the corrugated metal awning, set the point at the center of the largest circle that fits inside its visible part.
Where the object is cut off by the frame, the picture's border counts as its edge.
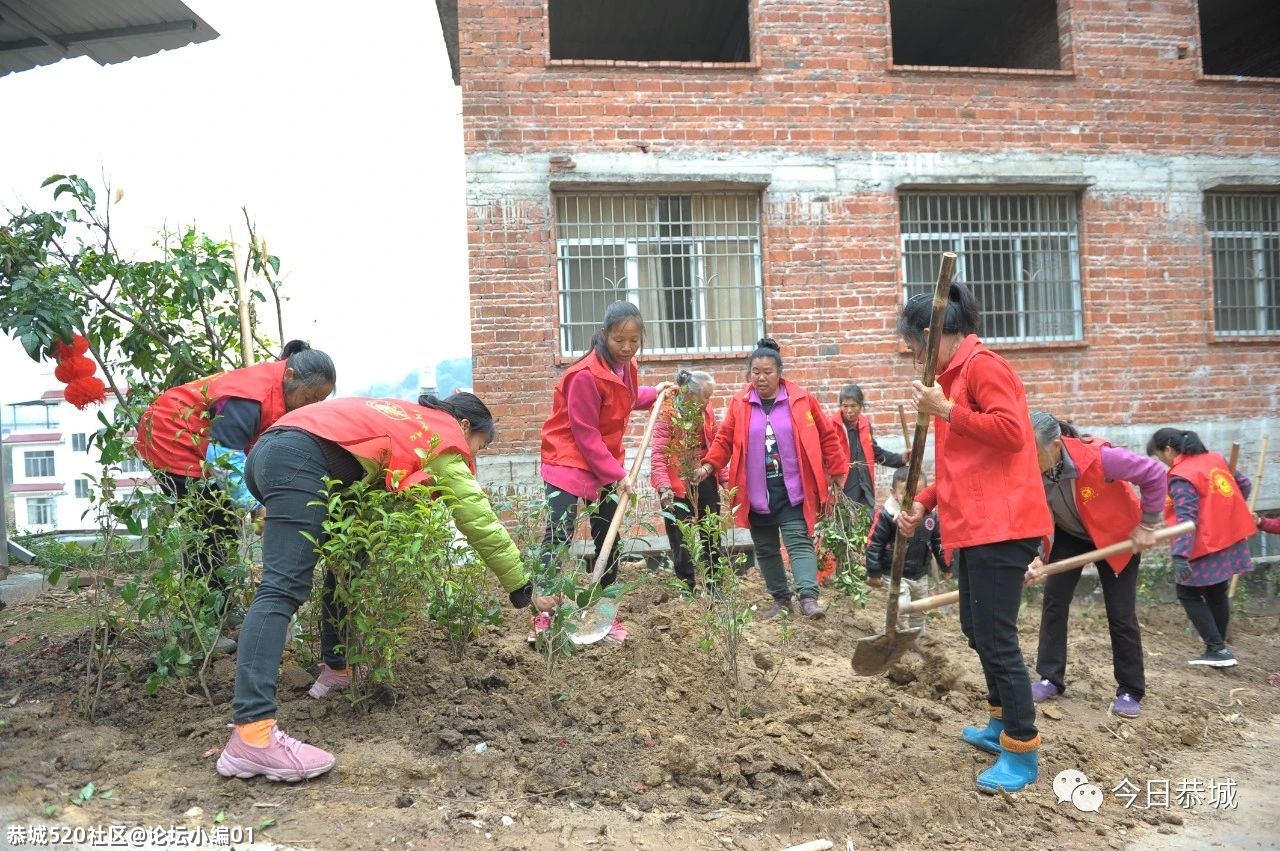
(42, 32)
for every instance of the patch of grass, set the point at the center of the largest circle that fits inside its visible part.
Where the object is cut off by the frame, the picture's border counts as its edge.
(36, 620)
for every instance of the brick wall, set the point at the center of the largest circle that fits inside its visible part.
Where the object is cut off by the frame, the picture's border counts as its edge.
(835, 130)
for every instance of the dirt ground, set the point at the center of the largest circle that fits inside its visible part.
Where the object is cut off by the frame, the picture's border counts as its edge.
(647, 747)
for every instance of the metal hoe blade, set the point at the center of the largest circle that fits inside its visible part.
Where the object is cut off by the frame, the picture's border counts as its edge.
(875, 653)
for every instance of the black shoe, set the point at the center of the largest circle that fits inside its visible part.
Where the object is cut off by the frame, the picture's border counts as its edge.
(1223, 658)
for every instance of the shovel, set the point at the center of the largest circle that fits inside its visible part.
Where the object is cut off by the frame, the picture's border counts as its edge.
(939, 600)
(873, 654)
(592, 623)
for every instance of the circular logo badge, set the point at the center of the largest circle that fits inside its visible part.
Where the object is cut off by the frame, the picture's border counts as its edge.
(1222, 481)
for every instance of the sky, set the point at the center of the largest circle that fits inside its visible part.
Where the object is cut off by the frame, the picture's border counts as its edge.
(337, 126)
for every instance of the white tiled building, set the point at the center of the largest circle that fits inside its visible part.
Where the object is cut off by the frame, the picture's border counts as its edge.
(52, 464)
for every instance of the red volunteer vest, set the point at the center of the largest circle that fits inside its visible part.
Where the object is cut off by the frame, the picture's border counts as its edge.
(985, 495)
(1224, 517)
(387, 432)
(173, 433)
(617, 402)
(678, 488)
(864, 438)
(1109, 509)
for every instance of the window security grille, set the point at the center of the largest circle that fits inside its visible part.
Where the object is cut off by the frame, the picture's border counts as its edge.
(1244, 232)
(1019, 253)
(691, 263)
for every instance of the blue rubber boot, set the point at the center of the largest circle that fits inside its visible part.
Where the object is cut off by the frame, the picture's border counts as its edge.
(985, 738)
(1015, 769)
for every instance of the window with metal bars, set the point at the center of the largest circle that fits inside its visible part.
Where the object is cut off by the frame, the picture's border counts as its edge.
(1018, 252)
(1244, 234)
(690, 262)
(79, 442)
(38, 464)
(82, 488)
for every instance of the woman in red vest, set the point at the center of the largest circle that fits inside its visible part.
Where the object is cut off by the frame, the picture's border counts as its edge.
(195, 438)
(1089, 485)
(696, 388)
(993, 514)
(1204, 489)
(853, 428)
(784, 465)
(346, 440)
(582, 453)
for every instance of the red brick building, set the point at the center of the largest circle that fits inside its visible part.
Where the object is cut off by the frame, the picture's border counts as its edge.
(1107, 170)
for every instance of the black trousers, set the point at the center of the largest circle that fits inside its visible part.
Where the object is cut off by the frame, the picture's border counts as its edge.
(1209, 610)
(563, 518)
(214, 542)
(682, 559)
(1119, 595)
(990, 578)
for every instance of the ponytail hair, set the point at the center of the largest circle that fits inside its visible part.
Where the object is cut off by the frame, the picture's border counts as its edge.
(463, 406)
(1049, 428)
(618, 313)
(1183, 442)
(292, 347)
(962, 317)
(767, 347)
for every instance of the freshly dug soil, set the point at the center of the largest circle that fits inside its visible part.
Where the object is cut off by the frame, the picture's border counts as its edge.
(644, 744)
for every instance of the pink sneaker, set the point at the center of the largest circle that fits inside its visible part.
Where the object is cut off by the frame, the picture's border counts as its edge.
(329, 680)
(285, 759)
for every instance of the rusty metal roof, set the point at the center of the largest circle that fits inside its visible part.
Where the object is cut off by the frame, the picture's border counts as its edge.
(42, 32)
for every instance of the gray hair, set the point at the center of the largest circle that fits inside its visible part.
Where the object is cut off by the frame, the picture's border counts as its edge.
(1049, 428)
(695, 379)
(311, 368)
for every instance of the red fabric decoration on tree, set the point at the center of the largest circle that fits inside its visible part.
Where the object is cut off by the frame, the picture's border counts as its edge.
(77, 372)
(74, 367)
(84, 392)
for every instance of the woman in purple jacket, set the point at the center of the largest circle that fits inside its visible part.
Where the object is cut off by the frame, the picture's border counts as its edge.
(1089, 486)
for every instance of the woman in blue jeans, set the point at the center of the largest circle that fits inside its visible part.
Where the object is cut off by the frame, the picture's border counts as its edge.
(348, 440)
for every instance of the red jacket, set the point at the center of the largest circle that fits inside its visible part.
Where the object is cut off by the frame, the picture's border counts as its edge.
(174, 432)
(864, 438)
(988, 487)
(386, 432)
(1109, 510)
(617, 402)
(819, 451)
(664, 472)
(1223, 518)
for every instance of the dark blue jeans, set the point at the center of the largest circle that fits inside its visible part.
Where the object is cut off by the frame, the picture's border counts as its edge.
(286, 472)
(990, 578)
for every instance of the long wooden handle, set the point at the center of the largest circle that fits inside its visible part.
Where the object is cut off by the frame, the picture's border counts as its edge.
(941, 294)
(1058, 566)
(906, 429)
(602, 558)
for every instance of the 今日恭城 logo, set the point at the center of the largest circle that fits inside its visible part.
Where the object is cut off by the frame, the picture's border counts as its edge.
(1072, 785)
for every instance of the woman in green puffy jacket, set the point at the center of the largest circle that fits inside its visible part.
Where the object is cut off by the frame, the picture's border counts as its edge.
(348, 440)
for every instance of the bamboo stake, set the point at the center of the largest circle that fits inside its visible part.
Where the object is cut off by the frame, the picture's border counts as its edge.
(242, 295)
(1253, 500)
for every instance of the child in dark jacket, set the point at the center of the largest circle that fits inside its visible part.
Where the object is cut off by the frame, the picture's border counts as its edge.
(926, 540)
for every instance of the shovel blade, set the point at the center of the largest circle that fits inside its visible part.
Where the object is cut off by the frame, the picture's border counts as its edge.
(874, 654)
(590, 624)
